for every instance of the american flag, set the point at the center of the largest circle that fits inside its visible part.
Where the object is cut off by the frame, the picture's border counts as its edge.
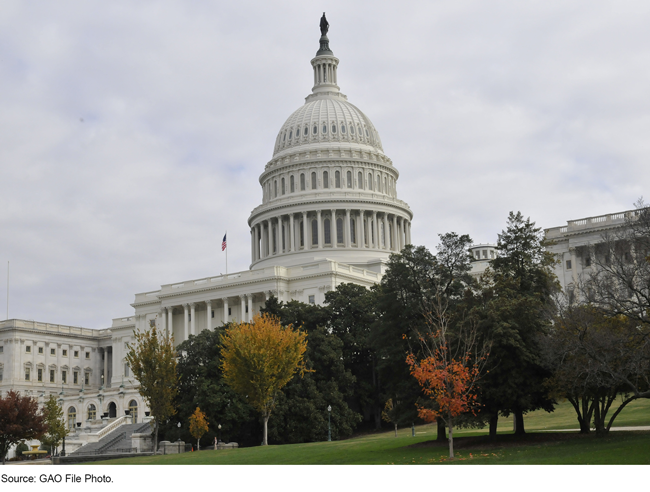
(223, 243)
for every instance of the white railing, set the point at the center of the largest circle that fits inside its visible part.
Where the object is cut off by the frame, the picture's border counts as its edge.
(111, 427)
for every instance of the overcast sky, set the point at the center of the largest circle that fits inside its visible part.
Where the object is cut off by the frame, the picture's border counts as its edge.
(132, 134)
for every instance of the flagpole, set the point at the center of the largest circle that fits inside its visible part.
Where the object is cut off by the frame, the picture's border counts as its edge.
(226, 236)
(7, 289)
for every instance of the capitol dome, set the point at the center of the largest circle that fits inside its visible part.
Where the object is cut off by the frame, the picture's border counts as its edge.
(329, 191)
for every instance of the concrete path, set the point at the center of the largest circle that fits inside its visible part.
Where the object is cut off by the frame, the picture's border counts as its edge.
(639, 428)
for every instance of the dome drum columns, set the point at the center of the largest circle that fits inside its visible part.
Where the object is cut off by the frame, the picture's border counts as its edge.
(348, 229)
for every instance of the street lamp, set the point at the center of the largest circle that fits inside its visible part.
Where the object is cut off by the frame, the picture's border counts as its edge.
(218, 432)
(329, 422)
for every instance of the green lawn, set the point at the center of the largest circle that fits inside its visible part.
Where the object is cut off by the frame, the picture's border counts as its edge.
(472, 447)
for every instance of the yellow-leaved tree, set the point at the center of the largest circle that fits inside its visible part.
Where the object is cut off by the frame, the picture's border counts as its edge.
(152, 359)
(198, 426)
(259, 358)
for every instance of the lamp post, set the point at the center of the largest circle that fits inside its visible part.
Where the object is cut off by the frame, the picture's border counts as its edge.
(218, 432)
(329, 423)
(178, 441)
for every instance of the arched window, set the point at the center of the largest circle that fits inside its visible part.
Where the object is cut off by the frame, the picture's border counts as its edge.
(359, 180)
(349, 175)
(352, 129)
(337, 179)
(112, 410)
(333, 128)
(72, 418)
(315, 130)
(297, 132)
(313, 181)
(306, 132)
(353, 231)
(339, 230)
(370, 181)
(314, 233)
(92, 412)
(378, 184)
(276, 189)
(324, 129)
(291, 184)
(302, 182)
(328, 235)
(302, 234)
(342, 128)
(283, 186)
(284, 137)
(133, 406)
(290, 134)
(326, 179)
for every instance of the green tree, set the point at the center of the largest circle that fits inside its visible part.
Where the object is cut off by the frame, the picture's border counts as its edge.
(20, 420)
(201, 384)
(514, 305)
(260, 358)
(56, 428)
(152, 359)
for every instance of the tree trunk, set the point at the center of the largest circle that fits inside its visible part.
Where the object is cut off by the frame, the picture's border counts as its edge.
(519, 422)
(395, 430)
(198, 444)
(599, 420)
(442, 430)
(494, 419)
(265, 441)
(451, 438)
(155, 439)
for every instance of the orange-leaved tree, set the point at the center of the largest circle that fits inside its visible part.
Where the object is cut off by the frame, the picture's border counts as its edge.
(198, 426)
(259, 358)
(451, 367)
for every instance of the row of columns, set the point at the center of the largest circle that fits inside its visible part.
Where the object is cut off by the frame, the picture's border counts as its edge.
(189, 314)
(269, 237)
(325, 73)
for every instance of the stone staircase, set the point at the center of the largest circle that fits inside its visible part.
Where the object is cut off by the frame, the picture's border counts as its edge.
(117, 441)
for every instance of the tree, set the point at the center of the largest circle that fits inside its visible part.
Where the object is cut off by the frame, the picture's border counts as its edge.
(201, 384)
(152, 359)
(56, 428)
(20, 420)
(413, 279)
(513, 307)
(198, 426)
(452, 365)
(260, 358)
(595, 358)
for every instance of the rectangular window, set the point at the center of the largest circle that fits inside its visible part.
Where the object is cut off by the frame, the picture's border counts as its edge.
(312, 299)
(588, 261)
(126, 370)
(65, 353)
(64, 377)
(0, 374)
(568, 264)
(75, 377)
(76, 354)
(87, 355)
(189, 316)
(2, 349)
(485, 253)
(40, 375)
(28, 349)
(27, 374)
(87, 378)
(51, 375)
(229, 311)
(40, 350)
(52, 351)
(213, 313)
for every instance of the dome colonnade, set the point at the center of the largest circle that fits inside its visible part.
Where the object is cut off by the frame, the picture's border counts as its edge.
(329, 189)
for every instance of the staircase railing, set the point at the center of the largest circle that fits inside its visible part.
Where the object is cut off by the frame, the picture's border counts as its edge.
(111, 427)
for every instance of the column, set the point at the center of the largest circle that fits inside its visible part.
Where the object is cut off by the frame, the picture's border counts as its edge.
(278, 244)
(225, 310)
(374, 231)
(252, 245)
(306, 232)
(319, 223)
(347, 228)
(250, 308)
(208, 317)
(163, 321)
(395, 243)
(242, 316)
(386, 232)
(292, 232)
(105, 381)
(361, 242)
(334, 230)
(269, 241)
(408, 232)
(193, 318)
(170, 323)
(574, 266)
(187, 328)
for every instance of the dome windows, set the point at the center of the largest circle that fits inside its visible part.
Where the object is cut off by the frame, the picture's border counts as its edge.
(313, 181)
(292, 185)
(343, 129)
(306, 132)
(297, 132)
(333, 128)
(337, 179)
(359, 130)
(284, 137)
(290, 134)
(315, 130)
(326, 179)
(302, 182)
(351, 129)
(349, 176)
(367, 134)
(324, 129)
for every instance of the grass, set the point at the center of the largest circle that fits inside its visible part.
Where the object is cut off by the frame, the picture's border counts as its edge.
(539, 446)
